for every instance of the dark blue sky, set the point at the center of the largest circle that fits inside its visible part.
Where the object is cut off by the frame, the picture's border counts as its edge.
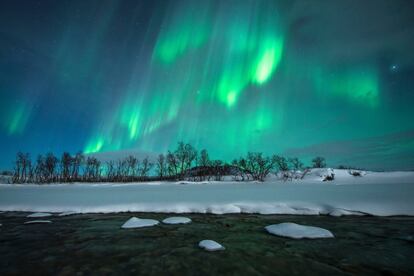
(304, 78)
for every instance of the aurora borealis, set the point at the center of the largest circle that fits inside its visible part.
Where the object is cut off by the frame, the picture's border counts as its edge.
(298, 78)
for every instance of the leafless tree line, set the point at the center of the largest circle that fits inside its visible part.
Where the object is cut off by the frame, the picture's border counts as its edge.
(184, 163)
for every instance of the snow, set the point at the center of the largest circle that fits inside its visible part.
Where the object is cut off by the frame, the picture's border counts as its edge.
(176, 220)
(297, 231)
(135, 222)
(374, 193)
(69, 213)
(39, 215)
(210, 245)
(37, 222)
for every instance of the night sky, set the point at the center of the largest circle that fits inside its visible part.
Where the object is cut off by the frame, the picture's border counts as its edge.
(298, 78)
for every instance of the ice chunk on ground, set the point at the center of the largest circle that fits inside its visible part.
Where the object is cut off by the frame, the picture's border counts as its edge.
(176, 220)
(135, 222)
(67, 214)
(297, 231)
(210, 245)
(37, 221)
(39, 215)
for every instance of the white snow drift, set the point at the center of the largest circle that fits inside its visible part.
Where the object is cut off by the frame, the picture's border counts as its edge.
(297, 231)
(176, 220)
(210, 245)
(381, 194)
(39, 215)
(38, 222)
(135, 222)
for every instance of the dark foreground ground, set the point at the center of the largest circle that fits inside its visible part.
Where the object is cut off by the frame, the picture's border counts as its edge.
(95, 244)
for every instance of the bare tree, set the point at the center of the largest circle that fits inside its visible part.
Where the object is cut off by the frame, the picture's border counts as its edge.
(318, 162)
(217, 169)
(145, 168)
(22, 168)
(161, 166)
(133, 167)
(204, 165)
(110, 171)
(66, 163)
(92, 169)
(51, 167)
(296, 163)
(77, 162)
(282, 166)
(185, 155)
(172, 164)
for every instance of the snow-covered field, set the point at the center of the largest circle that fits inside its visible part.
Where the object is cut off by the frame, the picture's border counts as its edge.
(381, 194)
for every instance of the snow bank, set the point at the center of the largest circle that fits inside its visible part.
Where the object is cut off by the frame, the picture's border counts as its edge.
(39, 215)
(176, 220)
(210, 245)
(64, 214)
(38, 222)
(297, 231)
(385, 194)
(135, 222)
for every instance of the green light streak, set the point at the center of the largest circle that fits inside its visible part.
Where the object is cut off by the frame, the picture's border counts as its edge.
(268, 61)
(357, 85)
(18, 118)
(94, 145)
(188, 30)
(217, 63)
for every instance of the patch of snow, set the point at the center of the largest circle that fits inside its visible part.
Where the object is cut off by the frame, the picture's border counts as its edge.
(191, 182)
(69, 213)
(297, 231)
(39, 215)
(37, 222)
(176, 220)
(135, 222)
(342, 212)
(210, 245)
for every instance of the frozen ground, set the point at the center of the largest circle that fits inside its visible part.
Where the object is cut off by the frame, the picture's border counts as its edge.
(380, 194)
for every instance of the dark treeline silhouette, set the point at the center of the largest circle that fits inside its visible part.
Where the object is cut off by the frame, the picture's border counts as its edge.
(184, 163)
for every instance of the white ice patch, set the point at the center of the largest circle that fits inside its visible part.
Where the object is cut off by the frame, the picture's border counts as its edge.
(37, 222)
(135, 222)
(297, 231)
(39, 215)
(176, 220)
(210, 245)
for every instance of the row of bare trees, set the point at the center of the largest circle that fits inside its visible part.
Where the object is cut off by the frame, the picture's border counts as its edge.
(185, 162)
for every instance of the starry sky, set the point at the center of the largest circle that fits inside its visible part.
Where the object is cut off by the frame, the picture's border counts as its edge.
(298, 78)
